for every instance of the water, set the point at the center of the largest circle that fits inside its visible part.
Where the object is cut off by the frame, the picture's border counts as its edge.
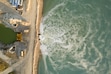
(7, 35)
(76, 37)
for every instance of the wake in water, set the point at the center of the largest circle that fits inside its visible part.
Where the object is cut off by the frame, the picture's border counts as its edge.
(76, 35)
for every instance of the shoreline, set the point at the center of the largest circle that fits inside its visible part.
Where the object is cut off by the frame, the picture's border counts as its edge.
(36, 53)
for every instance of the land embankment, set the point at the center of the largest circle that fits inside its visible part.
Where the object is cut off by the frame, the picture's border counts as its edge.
(37, 46)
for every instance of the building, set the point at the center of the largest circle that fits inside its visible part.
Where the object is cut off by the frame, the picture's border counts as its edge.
(16, 3)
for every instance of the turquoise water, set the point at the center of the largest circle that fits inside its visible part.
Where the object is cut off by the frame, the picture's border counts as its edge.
(76, 37)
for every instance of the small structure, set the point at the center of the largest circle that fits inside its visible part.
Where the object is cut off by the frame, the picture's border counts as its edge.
(10, 20)
(20, 8)
(23, 53)
(25, 23)
(19, 36)
(12, 49)
(14, 25)
(14, 21)
(15, 3)
(26, 31)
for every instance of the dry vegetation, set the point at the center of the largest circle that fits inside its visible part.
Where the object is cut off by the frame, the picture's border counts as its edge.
(3, 65)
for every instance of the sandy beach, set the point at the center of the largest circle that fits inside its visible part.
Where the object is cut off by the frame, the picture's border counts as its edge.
(37, 46)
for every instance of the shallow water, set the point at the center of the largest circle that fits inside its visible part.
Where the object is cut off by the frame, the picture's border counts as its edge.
(76, 37)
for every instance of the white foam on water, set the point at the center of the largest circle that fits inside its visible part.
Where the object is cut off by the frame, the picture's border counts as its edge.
(44, 50)
(65, 44)
(45, 65)
(52, 10)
